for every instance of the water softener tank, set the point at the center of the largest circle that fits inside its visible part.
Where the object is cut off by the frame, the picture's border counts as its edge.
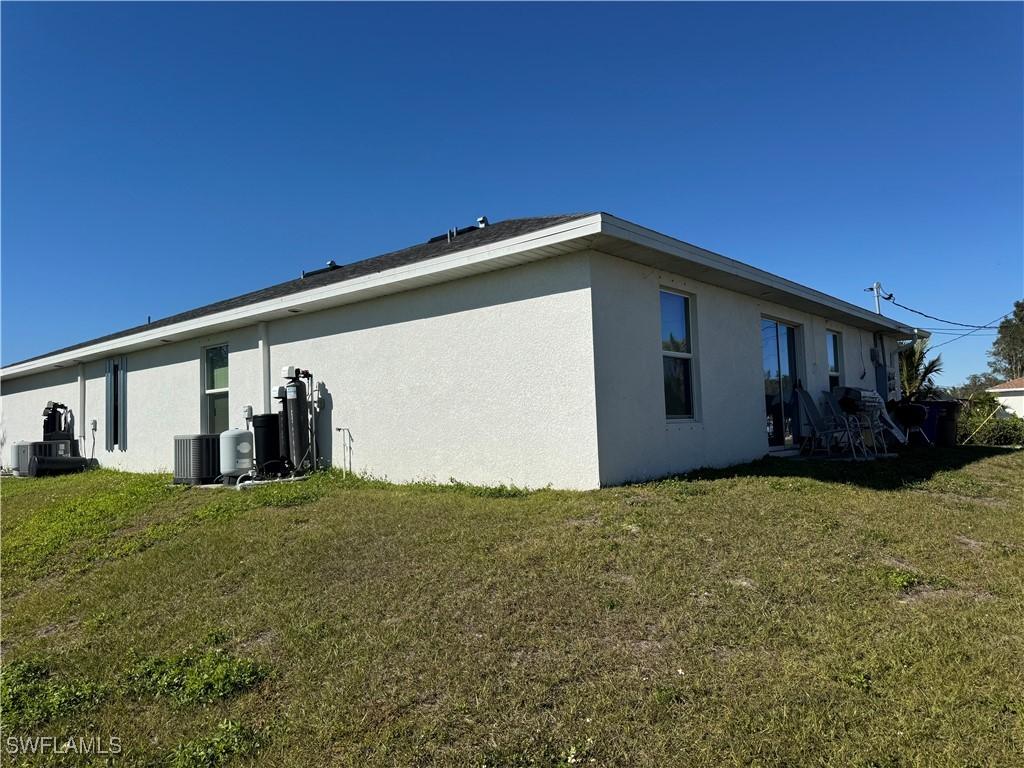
(235, 453)
(267, 442)
(298, 424)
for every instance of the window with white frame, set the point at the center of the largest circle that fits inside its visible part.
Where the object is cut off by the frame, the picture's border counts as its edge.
(834, 347)
(677, 355)
(215, 389)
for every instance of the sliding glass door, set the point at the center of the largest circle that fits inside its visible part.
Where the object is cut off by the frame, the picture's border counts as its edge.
(778, 354)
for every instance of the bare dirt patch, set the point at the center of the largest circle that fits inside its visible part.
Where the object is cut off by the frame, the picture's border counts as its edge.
(957, 498)
(50, 630)
(897, 562)
(260, 640)
(638, 501)
(925, 593)
(722, 653)
(970, 544)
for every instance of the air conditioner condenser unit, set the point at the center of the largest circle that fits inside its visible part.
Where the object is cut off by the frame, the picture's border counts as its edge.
(196, 459)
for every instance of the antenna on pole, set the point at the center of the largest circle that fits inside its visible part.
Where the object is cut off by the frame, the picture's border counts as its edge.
(876, 288)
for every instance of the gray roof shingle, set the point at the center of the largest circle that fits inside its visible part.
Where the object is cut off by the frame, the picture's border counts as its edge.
(492, 233)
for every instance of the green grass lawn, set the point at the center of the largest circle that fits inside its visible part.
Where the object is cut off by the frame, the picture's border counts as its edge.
(780, 613)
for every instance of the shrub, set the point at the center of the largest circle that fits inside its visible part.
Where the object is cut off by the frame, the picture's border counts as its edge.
(1006, 431)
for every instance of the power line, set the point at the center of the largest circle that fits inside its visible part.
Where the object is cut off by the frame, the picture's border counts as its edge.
(948, 332)
(891, 297)
(964, 335)
(982, 331)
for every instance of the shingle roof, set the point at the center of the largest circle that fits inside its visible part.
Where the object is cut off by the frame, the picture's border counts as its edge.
(1011, 384)
(492, 233)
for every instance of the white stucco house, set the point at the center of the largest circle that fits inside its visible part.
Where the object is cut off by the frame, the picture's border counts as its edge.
(1010, 395)
(574, 351)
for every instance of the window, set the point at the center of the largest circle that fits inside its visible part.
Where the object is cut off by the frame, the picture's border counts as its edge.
(834, 344)
(677, 355)
(779, 362)
(215, 389)
(116, 419)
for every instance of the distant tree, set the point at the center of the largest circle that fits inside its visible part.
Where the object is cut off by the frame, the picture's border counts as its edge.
(974, 387)
(1006, 358)
(917, 372)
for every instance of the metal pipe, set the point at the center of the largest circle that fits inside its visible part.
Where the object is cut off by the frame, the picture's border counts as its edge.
(313, 395)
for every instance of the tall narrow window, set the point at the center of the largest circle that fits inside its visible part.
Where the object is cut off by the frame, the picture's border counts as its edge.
(215, 390)
(116, 418)
(677, 355)
(834, 344)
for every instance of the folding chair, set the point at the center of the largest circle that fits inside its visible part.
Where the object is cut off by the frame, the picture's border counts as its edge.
(849, 425)
(822, 435)
(877, 428)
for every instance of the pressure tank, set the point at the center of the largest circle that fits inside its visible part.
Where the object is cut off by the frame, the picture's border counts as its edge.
(298, 424)
(235, 453)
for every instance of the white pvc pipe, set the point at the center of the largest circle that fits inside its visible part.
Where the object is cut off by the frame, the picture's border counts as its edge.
(265, 361)
(251, 483)
(81, 405)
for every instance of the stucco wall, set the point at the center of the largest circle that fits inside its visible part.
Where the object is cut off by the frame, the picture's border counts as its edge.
(21, 409)
(1013, 402)
(164, 398)
(636, 441)
(546, 373)
(488, 379)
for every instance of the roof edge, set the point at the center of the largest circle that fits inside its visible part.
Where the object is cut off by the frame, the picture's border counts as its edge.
(641, 235)
(381, 283)
(482, 258)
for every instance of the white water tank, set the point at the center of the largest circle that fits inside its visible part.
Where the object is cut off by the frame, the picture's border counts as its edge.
(235, 452)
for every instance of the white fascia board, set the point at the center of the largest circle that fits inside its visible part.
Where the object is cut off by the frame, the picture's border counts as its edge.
(480, 259)
(1006, 391)
(627, 230)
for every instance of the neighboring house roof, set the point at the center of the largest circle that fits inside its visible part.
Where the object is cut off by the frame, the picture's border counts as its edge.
(1008, 385)
(473, 251)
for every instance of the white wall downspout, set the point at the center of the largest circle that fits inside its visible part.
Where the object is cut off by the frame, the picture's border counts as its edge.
(80, 416)
(265, 365)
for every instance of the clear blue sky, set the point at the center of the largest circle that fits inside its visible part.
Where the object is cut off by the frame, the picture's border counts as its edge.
(157, 157)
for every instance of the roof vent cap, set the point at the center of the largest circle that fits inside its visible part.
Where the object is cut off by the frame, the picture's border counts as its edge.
(482, 222)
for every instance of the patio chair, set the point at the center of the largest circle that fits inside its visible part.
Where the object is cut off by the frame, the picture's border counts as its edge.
(877, 427)
(849, 425)
(822, 436)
